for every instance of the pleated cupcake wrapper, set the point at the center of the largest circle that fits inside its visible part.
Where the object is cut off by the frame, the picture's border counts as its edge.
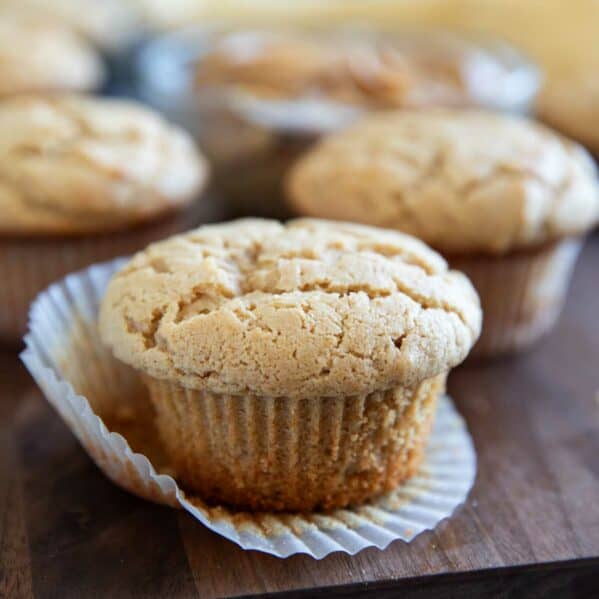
(29, 265)
(522, 294)
(90, 389)
(292, 452)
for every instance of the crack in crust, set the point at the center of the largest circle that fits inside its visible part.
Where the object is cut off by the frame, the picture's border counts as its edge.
(439, 177)
(313, 306)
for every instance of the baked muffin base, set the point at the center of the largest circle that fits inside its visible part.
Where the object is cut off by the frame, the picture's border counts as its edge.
(292, 454)
(29, 264)
(522, 293)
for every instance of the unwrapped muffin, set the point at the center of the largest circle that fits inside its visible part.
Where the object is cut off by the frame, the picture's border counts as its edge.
(504, 199)
(291, 367)
(83, 180)
(39, 55)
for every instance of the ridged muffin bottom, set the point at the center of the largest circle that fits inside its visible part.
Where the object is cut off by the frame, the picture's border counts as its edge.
(522, 293)
(293, 454)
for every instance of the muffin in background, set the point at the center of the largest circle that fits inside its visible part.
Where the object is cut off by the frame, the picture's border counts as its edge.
(504, 199)
(84, 180)
(570, 102)
(292, 367)
(39, 55)
(107, 24)
(374, 70)
(257, 99)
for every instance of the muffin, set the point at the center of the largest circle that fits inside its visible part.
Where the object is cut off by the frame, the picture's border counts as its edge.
(256, 100)
(83, 180)
(38, 55)
(378, 71)
(505, 200)
(106, 23)
(570, 103)
(292, 367)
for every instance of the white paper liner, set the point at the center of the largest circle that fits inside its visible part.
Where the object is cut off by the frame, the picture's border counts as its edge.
(314, 115)
(443, 482)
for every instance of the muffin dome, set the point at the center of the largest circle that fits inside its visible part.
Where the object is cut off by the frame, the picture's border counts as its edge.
(570, 103)
(463, 181)
(71, 165)
(106, 23)
(38, 55)
(311, 308)
(369, 68)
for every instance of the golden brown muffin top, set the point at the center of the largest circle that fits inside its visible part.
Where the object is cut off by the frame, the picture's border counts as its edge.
(37, 54)
(310, 308)
(463, 181)
(71, 164)
(409, 71)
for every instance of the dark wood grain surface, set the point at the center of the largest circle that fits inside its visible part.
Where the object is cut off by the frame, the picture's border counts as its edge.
(530, 526)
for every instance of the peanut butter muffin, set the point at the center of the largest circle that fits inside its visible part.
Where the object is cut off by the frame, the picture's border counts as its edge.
(38, 55)
(570, 102)
(377, 70)
(504, 199)
(106, 23)
(292, 367)
(84, 180)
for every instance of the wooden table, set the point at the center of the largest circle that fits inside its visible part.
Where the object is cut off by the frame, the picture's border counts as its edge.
(531, 523)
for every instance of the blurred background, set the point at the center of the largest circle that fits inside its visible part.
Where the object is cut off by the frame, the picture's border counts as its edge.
(258, 81)
(547, 67)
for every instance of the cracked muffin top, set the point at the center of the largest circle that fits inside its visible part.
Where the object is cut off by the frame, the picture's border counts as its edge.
(72, 165)
(37, 54)
(462, 181)
(311, 308)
